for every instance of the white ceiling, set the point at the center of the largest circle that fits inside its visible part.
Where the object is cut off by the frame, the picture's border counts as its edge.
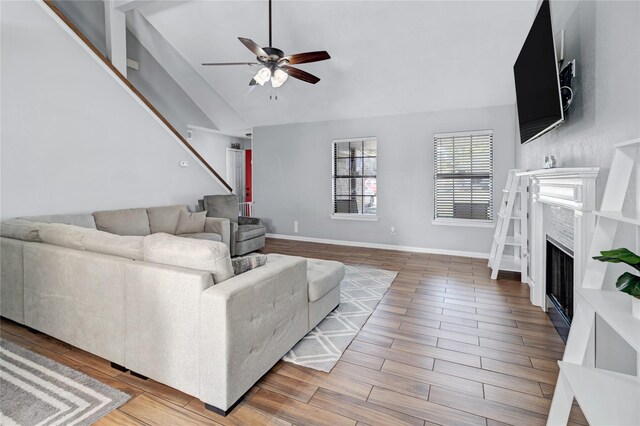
(387, 57)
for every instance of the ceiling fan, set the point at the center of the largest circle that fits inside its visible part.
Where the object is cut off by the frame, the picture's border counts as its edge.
(275, 65)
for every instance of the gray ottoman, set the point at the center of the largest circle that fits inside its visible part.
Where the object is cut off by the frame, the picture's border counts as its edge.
(323, 279)
(323, 285)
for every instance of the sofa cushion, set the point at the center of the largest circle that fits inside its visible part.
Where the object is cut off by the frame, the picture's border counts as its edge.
(243, 264)
(123, 222)
(323, 276)
(116, 245)
(79, 238)
(62, 235)
(20, 229)
(191, 223)
(247, 232)
(164, 219)
(225, 206)
(211, 256)
(210, 236)
(83, 220)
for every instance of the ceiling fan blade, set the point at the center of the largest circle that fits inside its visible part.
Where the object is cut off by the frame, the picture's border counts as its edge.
(230, 63)
(300, 75)
(303, 58)
(253, 46)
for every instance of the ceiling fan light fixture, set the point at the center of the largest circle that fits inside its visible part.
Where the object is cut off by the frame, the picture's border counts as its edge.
(278, 78)
(262, 76)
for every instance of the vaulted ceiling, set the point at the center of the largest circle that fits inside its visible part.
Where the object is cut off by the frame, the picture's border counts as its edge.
(387, 57)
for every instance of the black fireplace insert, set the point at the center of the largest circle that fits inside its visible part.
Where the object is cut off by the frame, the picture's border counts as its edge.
(560, 286)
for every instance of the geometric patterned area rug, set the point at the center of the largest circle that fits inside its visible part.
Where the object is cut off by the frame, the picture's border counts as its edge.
(360, 292)
(35, 390)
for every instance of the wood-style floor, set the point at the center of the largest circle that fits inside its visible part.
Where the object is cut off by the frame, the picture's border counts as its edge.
(446, 345)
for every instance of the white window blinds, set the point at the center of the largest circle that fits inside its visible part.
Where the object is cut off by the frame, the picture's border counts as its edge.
(463, 174)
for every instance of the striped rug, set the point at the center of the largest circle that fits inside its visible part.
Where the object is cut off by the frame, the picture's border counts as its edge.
(35, 390)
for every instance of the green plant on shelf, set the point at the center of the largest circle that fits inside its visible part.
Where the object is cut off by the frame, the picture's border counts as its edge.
(627, 282)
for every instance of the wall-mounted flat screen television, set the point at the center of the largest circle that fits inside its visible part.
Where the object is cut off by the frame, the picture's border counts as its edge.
(536, 79)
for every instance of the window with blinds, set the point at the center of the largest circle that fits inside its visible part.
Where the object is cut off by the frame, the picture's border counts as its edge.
(463, 174)
(355, 176)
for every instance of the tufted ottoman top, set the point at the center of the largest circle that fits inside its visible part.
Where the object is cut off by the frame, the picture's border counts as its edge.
(323, 276)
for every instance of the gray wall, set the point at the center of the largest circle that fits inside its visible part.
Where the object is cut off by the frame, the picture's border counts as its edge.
(151, 79)
(74, 139)
(213, 147)
(88, 16)
(292, 177)
(162, 90)
(604, 38)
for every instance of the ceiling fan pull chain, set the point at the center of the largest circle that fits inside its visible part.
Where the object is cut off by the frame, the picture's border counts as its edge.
(273, 94)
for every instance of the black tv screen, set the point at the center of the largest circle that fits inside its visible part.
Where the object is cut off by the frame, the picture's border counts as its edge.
(537, 81)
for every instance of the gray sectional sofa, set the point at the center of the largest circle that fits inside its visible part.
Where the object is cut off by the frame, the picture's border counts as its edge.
(163, 306)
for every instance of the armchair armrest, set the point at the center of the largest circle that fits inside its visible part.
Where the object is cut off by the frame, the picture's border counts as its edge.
(244, 220)
(219, 226)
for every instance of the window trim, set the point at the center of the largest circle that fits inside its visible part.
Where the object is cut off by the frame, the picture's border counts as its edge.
(366, 217)
(478, 223)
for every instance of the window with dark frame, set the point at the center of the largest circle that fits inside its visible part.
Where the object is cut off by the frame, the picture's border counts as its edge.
(463, 176)
(355, 176)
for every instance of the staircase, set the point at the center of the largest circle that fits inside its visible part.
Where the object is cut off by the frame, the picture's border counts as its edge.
(51, 5)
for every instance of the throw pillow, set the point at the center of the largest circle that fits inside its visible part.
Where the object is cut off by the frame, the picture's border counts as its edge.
(164, 219)
(243, 264)
(191, 223)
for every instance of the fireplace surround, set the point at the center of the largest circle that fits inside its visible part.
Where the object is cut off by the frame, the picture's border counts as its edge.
(569, 188)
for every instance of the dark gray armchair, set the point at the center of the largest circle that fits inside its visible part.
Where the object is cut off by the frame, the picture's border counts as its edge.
(247, 233)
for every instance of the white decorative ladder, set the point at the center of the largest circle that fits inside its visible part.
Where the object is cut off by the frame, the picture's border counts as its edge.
(515, 193)
(605, 397)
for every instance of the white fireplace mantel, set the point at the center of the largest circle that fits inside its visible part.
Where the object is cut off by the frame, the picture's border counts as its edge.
(572, 188)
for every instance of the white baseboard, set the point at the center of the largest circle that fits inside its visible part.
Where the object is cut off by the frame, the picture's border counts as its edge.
(478, 255)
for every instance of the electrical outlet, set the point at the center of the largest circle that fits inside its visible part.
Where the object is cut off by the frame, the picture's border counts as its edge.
(295, 226)
(393, 230)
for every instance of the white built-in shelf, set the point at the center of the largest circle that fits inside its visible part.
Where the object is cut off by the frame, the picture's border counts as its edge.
(614, 307)
(631, 142)
(631, 218)
(605, 397)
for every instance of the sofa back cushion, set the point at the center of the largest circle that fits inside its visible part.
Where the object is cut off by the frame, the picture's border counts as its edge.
(211, 256)
(20, 229)
(80, 238)
(123, 222)
(84, 220)
(165, 219)
(58, 234)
